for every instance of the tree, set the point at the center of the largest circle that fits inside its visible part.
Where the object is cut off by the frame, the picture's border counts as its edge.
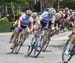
(11, 4)
(68, 3)
(57, 4)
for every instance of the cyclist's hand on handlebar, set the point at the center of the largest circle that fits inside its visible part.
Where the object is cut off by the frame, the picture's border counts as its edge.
(53, 28)
(29, 31)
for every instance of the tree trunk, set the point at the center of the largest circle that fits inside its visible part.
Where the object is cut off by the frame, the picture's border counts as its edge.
(12, 11)
(6, 10)
(58, 5)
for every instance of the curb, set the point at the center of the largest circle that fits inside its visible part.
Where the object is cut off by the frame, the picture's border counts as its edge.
(5, 33)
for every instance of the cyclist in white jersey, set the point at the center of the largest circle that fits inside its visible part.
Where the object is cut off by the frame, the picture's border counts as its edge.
(48, 18)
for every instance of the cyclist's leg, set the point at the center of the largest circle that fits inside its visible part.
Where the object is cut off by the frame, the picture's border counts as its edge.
(17, 31)
(36, 29)
(15, 36)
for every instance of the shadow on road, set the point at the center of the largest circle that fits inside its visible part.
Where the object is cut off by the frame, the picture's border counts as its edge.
(8, 53)
(60, 46)
(33, 56)
(48, 50)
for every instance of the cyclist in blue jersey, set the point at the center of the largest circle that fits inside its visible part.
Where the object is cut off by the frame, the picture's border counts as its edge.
(26, 22)
(49, 19)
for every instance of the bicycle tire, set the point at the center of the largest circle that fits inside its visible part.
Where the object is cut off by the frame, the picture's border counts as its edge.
(46, 42)
(39, 51)
(30, 49)
(45, 46)
(20, 43)
(12, 51)
(63, 54)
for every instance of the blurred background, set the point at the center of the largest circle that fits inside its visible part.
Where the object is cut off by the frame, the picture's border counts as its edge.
(11, 8)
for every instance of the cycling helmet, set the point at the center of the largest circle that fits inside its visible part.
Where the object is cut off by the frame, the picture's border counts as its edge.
(58, 16)
(28, 12)
(34, 14)
(51, 11)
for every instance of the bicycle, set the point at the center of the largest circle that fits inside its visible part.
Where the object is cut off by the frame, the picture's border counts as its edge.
(18, 42)
(37, 44)
(67, 57)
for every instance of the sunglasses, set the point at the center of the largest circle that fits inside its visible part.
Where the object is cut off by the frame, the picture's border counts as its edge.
(28, 14)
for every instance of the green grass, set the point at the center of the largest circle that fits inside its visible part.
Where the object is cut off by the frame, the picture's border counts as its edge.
(5, 26)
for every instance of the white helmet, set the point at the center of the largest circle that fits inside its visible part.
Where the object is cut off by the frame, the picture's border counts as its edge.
(34, 14)
(29, 12)
(51, 11)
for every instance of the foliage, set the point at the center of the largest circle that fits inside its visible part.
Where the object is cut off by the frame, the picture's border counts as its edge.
(19, 2)
(5, 26)
(68, 3)
(4, 19)
(11, 4)
(19, 13)
(65, 3)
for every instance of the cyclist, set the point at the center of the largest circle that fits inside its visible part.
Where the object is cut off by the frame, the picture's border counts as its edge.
(36, 24)
(36, 20)
(60, 20)
(14, 26)
(72, 37)
(15, 23)
(57, 22)
(48, 21)
(26, 22)
(66, 17)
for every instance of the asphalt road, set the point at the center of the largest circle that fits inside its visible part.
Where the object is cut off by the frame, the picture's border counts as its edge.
(52, 55)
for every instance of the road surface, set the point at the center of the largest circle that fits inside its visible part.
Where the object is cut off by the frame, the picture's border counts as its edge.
(52, 55)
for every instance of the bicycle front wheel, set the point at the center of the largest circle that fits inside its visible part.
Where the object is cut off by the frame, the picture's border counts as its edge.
(30, 48)
(19, 43)
(66, 57)
(46, 41)
(38, 46)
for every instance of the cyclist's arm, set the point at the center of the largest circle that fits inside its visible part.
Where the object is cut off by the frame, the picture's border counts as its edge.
(31, 19)
(53, 22)
(19, 22)
(68, 16)
(16, 22)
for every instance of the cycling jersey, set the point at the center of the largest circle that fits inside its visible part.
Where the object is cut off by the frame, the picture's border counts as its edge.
(24, 22)
(47, 18)
(48, 21)
(24, 19)
(45, 13)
